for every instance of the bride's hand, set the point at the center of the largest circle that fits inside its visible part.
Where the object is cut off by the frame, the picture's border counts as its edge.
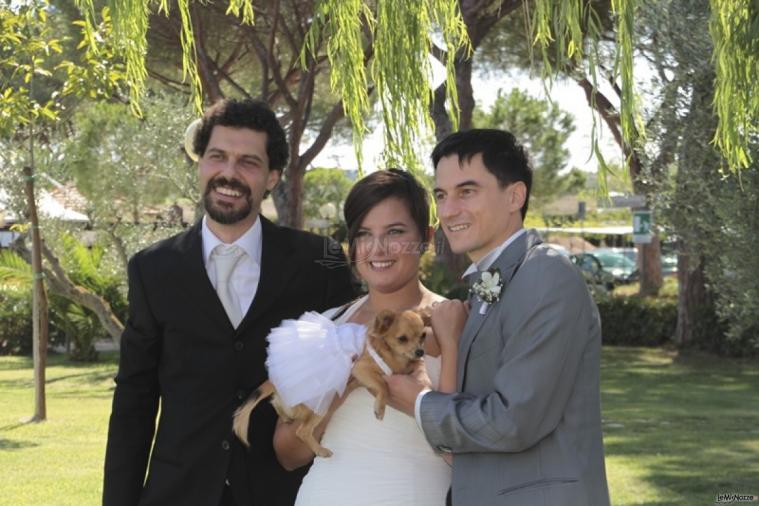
(448, 318)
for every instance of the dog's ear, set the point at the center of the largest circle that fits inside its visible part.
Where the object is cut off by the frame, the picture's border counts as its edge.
(383, 321)
(426, 314)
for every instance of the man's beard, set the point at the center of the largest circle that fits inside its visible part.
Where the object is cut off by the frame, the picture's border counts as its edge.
(222, 213)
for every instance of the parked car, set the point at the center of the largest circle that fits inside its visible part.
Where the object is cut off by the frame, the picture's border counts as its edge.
(669, 264)
(668, 260)
(617, 262)
(630, 253)
(593, 272)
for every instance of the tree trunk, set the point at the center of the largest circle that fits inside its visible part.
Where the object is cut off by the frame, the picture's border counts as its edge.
(118, 243)
(692, 296)
(61, 284)
(649, 256)
(39, 305)
(288, 197)
(443, 126)
(281, 196)
(696, 162)
(465, 91)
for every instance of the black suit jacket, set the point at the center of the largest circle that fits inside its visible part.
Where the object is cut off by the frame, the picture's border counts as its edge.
(179, 350)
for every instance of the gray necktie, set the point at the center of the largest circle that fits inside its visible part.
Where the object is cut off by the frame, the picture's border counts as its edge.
(226, 258)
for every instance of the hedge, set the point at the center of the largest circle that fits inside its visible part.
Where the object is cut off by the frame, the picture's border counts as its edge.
(637, 321)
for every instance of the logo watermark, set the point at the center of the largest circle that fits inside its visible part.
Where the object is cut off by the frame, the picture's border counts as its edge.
(334, 256)
(735, 498)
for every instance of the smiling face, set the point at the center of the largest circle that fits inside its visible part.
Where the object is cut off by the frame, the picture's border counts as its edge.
(388, 247)
(476, 213)
(234, 176)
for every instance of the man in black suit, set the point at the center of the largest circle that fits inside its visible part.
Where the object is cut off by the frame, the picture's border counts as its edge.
(195, 337)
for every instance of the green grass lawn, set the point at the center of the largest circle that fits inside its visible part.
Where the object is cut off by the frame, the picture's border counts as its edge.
(678, 429)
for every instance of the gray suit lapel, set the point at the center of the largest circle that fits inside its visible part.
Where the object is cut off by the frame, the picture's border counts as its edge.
(508, 263)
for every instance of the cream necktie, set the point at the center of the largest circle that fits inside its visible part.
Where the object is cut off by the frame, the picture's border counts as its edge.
(225, 260)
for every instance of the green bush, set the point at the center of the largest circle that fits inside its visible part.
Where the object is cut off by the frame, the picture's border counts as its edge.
(637, 321)
(15, 323)
(70, 324)
(437, 278)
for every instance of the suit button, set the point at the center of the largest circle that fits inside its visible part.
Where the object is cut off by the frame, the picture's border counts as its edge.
(241, 394)
(239, 345)
(225, 444)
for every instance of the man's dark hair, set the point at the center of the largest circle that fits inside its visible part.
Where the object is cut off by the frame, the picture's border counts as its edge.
(381, 185)
(252, 114)
(502, 155)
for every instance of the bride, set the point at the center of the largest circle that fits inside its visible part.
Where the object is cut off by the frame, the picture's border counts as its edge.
(376, 462)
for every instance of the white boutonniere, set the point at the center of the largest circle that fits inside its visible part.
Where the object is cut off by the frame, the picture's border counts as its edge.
(488, 288)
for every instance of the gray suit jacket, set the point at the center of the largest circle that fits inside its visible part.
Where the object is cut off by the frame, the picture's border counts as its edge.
(525, 427)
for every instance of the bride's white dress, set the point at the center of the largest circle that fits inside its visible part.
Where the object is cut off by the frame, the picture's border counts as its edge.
(375, 463)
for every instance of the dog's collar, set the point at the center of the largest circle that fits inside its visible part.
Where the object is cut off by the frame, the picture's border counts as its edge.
(375, 356)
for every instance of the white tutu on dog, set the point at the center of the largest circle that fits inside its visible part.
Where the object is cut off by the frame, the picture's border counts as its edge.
(310, 359)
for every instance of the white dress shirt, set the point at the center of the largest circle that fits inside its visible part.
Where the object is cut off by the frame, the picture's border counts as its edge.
(482, 264)
(247, 272)
(485, 262)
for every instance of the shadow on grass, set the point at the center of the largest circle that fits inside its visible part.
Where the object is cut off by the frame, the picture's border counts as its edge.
(688, 423)
(83, 378)
(9, 444)
(16, 384)
(690, 467)
(15, 363)
(105, 359)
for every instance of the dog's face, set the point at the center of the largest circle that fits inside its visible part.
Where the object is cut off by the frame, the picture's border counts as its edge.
(403, 333)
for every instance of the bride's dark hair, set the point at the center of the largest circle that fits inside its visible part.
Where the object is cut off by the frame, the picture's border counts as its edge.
(381, 185)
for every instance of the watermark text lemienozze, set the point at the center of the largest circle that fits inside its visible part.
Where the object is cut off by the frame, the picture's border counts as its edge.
(735, 498)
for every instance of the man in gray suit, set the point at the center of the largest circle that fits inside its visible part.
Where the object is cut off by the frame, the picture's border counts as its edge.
(525, 425)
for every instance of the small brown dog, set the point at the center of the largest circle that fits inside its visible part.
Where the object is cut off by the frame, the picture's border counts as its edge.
(397, 338)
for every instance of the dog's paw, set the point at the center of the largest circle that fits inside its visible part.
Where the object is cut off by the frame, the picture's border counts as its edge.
(379, 413)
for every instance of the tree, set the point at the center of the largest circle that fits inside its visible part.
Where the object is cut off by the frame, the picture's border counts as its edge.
(569, 33)
(402, 29)
(28, 47)
(576, 37)
(123, 180)
(712, 215)
(543, 128)
(507, 46)
(323, 186)
(314, 62)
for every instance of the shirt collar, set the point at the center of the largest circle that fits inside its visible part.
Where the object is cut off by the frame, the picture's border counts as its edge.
(485, 262)
(250, 241)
